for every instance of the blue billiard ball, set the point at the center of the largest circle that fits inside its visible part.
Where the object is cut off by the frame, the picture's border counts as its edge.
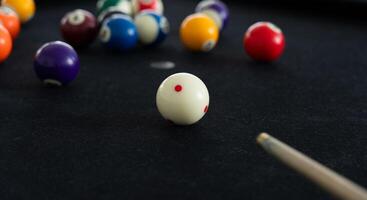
(56, 63)
(119, 32)
(152, 27)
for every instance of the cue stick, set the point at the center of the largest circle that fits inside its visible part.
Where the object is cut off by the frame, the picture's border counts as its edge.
(329, 180)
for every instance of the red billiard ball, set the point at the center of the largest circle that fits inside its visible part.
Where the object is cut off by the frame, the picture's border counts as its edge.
(264, 41)
(152, 5)
(79, 28)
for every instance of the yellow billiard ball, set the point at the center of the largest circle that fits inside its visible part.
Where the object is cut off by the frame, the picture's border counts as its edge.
(24, 8)
(198, 32)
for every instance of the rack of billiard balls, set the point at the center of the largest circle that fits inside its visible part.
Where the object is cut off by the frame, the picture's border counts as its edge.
(12, 14)
(120, 24)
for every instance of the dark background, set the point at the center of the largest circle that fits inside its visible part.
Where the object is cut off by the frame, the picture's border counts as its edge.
(102, 137)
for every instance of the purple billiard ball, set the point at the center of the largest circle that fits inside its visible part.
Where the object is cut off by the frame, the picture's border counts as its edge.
(56, 63)
(216, 10)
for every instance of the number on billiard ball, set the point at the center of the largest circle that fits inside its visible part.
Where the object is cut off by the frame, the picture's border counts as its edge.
(182, 98)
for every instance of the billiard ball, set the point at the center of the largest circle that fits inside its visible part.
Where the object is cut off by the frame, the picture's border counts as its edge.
(6, 43)
(24, 8)
(104, 6)
(215, 9)
(152, 5)
(119, 32)
(182, 98)
(152, 27)
(79, 27)
(263, 41)
(10, 20)
(56, 63)
(198, 32)
(109, 12)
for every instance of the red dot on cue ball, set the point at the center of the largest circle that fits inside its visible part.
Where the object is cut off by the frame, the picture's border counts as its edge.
(206, 109)
(263, 41)
(178, 88)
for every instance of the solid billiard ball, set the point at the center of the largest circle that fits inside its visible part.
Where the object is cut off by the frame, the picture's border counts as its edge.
(152, 5)
(152, 27)
(24, 8)
(215, 9)
(263, 41)
(182, 98)
(198, 32)
(79, 27)
(104, 6)
(56, 63)
(6, 43)
(10, 20)
(119, 32)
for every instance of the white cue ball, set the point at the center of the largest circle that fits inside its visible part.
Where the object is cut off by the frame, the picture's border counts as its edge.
(182, 98)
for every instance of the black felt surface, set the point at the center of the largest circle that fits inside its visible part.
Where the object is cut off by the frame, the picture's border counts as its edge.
(102, 137)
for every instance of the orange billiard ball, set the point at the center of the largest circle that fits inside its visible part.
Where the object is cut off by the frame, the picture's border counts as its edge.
(6, 43)
(10, 20)
(24, 8)
(199, 32)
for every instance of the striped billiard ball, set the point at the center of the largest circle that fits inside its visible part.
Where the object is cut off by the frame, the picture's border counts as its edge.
(104, 6)
(152, 5)
(118, 32)
(152, 28)
(216, 10)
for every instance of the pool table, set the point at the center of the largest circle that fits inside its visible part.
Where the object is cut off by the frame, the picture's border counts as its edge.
(102, 137)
